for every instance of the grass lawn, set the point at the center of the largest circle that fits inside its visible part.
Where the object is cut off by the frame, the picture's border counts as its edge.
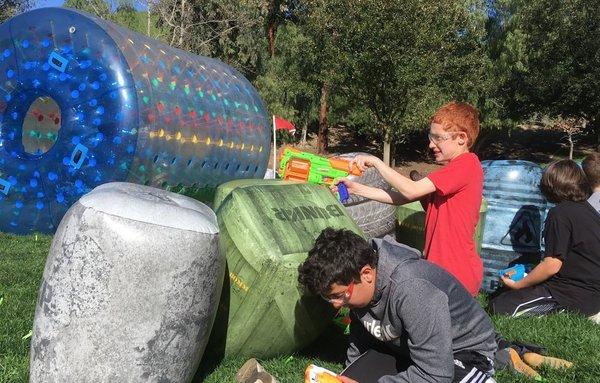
(21, 266)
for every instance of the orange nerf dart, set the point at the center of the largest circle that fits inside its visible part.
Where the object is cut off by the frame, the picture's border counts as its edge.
(315, 374)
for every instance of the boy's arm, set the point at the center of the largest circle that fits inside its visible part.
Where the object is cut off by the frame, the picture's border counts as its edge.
(557, 232)
(408, 190)
(390, 197)
(542, 272)
(424, 312)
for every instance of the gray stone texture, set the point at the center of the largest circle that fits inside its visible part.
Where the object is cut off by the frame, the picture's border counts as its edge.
(130, 289)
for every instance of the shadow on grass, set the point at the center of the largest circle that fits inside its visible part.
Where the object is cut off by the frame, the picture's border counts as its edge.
(539, 146)
(215, 348)
(330, 346)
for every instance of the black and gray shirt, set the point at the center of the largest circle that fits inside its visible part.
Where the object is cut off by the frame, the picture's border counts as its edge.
(572, 233)
(422, 312)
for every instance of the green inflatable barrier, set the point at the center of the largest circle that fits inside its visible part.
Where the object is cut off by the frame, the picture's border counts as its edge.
(225, 189)
(267, 228)
(411, 222)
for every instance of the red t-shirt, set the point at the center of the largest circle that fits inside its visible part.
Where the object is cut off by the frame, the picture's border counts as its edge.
(452, 213)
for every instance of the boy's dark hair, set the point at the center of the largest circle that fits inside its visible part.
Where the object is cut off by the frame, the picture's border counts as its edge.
(564, 180)
(591, 168)
(337, 257)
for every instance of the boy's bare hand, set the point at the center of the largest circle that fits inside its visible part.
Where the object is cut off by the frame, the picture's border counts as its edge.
(345, 379)
(352, 186)
(364, 161)
(510, 283)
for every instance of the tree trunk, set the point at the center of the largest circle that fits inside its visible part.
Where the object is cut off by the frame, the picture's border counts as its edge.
(148, 18)
(181, 26)
(272, 29)
(272, 24)
(323, 139)
(387, 145)
(570, 137)
(304, 133)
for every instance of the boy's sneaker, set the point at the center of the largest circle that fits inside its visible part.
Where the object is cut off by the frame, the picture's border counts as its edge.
(253, 372)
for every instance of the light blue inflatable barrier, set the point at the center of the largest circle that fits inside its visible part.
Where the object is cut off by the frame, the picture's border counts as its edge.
(85, 102)
(515, 217)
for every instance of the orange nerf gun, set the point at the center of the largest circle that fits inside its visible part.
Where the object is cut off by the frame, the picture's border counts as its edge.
(315, 374)
(302, 166)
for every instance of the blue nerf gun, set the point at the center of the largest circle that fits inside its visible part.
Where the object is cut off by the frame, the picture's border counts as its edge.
(516, 272)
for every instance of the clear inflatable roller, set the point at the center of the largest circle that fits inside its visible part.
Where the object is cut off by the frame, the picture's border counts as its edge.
(85, 102)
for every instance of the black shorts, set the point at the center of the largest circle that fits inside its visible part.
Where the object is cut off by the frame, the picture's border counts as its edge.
(534, 300)
(469, 367)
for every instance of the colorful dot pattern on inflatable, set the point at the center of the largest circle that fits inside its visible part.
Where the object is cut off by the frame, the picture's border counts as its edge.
(127, 108)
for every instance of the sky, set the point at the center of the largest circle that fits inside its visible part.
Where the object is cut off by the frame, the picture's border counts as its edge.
(59, 3)
(48, 3)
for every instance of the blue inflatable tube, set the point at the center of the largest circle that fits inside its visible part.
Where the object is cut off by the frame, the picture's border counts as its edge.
(515, 217)
(85, 102)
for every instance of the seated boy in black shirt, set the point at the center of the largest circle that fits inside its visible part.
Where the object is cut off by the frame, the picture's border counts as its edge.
(591, 168)
(568, 278)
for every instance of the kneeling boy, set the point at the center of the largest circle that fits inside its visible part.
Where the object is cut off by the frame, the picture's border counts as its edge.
(401, 306)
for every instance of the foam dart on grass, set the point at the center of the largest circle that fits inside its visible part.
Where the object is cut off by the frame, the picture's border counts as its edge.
(536, 360)
(521, 367)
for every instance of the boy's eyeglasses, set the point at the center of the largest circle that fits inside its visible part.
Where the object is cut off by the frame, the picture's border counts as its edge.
(437, 138)
(341, 298)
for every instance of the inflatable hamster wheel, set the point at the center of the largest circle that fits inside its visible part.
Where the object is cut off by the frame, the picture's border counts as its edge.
(85, 102)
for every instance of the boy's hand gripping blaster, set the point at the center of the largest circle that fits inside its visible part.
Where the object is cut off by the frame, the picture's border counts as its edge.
(296, 165)
(516, 272)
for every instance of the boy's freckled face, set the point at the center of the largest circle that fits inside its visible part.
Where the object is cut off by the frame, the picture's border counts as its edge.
(445, 145)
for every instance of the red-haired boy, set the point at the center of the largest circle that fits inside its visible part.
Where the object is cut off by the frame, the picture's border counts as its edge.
(451, 195)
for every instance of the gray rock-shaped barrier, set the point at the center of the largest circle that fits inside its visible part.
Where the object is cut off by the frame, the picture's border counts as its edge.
(130, 289)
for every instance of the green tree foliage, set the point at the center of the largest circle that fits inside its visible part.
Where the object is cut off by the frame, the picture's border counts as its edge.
(288, 86)
(230, 30)
(98, 8)
(127, 16)
(548, 61)
(321, 22)
(124, 13)
(10, 8)
(405, 58)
